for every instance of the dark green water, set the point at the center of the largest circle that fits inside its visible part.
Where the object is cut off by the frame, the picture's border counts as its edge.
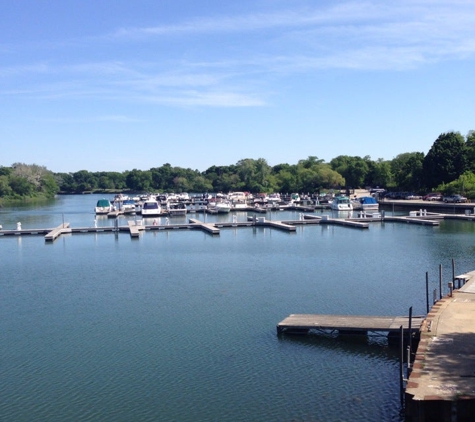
(180, 326)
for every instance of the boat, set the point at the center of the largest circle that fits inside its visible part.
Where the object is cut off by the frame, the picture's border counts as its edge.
(238, 200)
(128, 206)
(294, 197)
(368, 203)
(221, 206)
(341, 203)
(120, 197)
(198, 204)
(151, 208)
(176, 209)
(104, 206)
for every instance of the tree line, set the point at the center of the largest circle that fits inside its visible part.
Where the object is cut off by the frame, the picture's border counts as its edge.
(449, 167)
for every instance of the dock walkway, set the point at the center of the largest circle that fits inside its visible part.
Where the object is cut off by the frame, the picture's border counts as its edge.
(56, 232)
(441, 386)
(303, 323)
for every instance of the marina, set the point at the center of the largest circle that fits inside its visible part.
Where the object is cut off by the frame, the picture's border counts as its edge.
(162, 326)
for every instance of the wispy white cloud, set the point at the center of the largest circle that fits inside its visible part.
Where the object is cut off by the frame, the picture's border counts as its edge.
(431, 30)
(254, 51)
(91, 119)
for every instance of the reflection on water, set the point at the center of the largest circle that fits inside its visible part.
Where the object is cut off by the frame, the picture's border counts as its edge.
(180, 325)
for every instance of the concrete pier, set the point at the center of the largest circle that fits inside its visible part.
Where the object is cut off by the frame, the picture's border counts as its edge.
(58, 231)
(207, 227)
(441, 386)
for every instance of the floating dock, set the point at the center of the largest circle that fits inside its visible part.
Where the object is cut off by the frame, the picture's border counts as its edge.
(58, 231)
(207, 227)
(305, 323)
(136, 226)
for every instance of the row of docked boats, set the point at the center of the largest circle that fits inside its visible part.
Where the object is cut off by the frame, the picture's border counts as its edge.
(344, 203)
(148, 206)
(173, 205)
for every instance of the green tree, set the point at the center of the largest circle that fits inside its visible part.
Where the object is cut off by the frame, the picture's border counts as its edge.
(407, 170)
(470, 144)
(353, 169)
(446, 159)
(138, 180)
(21, 187)
(5, 189)
(380, 174)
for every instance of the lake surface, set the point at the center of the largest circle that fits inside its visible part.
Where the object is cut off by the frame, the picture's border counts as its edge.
(181, 326)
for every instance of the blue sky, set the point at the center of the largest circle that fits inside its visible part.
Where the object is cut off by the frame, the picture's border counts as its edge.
(119, 85)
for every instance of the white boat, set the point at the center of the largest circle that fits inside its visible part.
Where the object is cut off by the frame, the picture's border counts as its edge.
(120, 197)
(221, 206)
(238, 200)
(128, 206)
(294, 197)
(151, 208)
(368, 203)
(176, 209)
(341, 203)
(199, 203)
(104, 206)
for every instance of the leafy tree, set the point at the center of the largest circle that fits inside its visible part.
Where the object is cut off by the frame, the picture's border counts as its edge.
(353, 169)
(66, 182)
(465, 185)
(21, 186)
(48, 185)
(407, 170)
(446, 159)
(287, 181)
(5, 171)
(5, 189)
(470, 144)
(139, 180)
(84, 180)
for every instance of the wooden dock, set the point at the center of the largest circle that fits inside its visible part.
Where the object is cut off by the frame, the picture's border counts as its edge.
(348, 222)
(207, 227)
(281, 225)
(58, 231)
(304, 323)
(135, 228)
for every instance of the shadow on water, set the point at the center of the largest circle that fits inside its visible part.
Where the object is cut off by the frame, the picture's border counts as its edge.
(361, 345)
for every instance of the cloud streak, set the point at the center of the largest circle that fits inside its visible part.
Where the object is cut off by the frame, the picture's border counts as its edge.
(255, 51)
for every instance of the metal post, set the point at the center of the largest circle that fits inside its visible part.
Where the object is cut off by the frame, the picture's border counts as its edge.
(440, 281)
(401, 366)
(453, 269)
(427, 290)
(409, 335)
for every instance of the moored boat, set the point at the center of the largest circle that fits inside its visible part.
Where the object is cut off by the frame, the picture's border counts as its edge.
(223, 207)
(368, 203)
(128, 206)
(103, 206)
(341, 203)
(151, 208)
(176, 209)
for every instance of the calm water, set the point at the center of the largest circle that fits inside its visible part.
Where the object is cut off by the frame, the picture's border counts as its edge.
(180, 326)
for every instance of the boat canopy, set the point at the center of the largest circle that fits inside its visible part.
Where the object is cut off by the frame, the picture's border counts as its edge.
(368, 200)
(103, 203)
(150, 205)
